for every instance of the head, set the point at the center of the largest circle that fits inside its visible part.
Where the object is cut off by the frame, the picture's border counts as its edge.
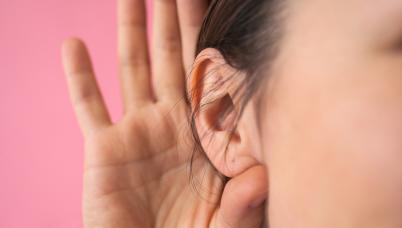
(312, 90)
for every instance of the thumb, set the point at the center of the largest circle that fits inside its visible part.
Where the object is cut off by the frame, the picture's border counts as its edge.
(243, 200)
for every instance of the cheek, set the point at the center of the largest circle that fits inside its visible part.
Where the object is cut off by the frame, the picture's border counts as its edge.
(362, 151)
(335, 154)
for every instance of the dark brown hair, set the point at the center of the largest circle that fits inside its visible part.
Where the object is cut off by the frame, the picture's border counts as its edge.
(246, 33)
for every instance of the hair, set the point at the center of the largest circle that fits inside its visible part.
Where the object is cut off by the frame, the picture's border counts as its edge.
(246, 33)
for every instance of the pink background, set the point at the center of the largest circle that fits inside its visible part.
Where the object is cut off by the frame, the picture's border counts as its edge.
(40, 144)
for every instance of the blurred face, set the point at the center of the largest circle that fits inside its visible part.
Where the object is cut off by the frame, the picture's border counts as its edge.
(332, 116)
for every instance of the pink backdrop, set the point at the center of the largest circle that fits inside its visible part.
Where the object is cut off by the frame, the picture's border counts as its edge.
(40, 144)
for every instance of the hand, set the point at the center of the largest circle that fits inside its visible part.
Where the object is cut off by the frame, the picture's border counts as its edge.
(136, 169)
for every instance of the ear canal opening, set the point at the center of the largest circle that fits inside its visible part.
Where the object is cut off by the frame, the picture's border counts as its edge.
(222, 115)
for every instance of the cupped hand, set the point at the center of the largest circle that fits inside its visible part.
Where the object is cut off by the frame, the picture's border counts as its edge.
(136, 170)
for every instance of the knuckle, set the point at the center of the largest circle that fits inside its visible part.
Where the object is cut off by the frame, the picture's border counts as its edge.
(170, 43)
(132, 23)
(166, 1)
(135, 59)
(84, 96)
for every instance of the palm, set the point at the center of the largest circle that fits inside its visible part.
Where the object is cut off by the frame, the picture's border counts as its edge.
(137, 168)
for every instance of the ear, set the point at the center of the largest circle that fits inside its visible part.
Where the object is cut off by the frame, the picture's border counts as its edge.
(231, 141)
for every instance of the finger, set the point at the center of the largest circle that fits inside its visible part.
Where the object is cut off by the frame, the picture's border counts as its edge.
(84, 92)
(243, 200)
(191, 15)
(167, 65)
(133, 53)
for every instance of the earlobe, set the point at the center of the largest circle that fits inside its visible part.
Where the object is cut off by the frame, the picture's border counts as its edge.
(224, 135)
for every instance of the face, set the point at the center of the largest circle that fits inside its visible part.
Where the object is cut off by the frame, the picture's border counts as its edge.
(332, 116)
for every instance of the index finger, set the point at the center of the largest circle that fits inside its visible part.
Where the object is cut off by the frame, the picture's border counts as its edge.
(191, 15)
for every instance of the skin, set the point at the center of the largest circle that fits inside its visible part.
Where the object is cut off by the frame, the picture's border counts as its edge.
(330, 125)
(136, 170)
(331, 116)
